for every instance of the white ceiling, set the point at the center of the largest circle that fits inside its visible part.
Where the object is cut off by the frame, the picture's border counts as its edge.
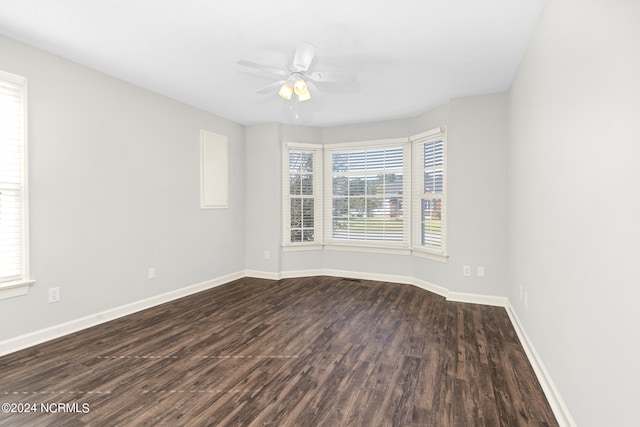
(409, 55)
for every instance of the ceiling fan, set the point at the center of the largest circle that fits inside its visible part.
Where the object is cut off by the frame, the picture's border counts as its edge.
(297, 79)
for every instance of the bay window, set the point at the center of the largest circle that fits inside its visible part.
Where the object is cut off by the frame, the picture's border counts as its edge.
(381, 195)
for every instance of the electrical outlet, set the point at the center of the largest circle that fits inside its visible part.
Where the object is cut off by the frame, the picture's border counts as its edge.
(54, 294)
(267, 255)
(151, 273)
(466, 270)
(480, 271)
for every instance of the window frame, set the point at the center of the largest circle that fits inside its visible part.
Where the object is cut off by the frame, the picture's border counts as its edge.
(402, 246)
(413, 191)
(19, 284)
(418, 170)
(316, 152)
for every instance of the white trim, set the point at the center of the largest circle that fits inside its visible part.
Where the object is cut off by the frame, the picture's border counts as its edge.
(302, 145)
(329, 174)
(428, 286)
(316, 152)
(376, 249)
(37, 337)
(365, 144)
(214, 170)
(263, 274)
(477, 299)
(405, 280)
(301, 247)
(20, 286)
(552, 394)
(301, 273)
(11, 289)
(418, 194)
(421, 253)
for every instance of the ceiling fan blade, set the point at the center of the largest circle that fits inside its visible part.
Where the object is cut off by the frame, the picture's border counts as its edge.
(261, 67)
(303, 57)
(272, 87)
(333, 76)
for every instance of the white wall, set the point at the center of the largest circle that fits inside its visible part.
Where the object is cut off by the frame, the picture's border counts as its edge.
(114, 179)
(574, 203)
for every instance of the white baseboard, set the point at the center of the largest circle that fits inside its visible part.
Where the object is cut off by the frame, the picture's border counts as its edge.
(37, 337)
(552, 394)
(263, 274)
(428, 286)
(301, 273)
(478, 299)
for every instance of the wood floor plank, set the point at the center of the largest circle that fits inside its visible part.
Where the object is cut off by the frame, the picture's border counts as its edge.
(317, 351)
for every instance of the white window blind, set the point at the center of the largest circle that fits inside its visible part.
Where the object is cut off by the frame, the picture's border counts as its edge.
(302, 190)
(429, 191)
(366, 192)
(13, 191)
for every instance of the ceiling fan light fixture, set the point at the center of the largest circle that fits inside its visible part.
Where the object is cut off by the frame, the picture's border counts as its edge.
(286, 91)
(305, 95)
(302, 90)
(300, 87)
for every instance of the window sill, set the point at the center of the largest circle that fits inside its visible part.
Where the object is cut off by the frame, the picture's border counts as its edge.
(430, 255)
(368, 249)
(292, 248)
(15, 289)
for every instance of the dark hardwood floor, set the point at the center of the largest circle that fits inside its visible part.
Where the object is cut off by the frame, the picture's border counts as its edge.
(317, 351)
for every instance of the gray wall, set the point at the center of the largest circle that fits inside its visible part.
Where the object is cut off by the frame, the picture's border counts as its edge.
(574, 203)
(114, 180)
(477, 169)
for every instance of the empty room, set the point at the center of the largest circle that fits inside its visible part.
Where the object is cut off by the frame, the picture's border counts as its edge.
(339, 213)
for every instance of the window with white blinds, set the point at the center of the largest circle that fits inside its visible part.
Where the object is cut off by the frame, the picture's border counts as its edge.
(366, 189)
(429, 192)
(387, 195)
(302, 190)
(13, 190)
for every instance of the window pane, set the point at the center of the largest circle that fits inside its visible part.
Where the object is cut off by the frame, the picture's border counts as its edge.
(295, 187)
(296, 235)
(307, 185)
(10, 238)
(357, 207)
(296, 213)
(370, 194)
(340, 227)
(357, 160)
(340, 162)
(308, 235)
(340, 207)
(433, 154)
(374, 184)
(393, 185)
(300, 161)
(393, 158)
(340, 186)
(356, 185)
(433, 182)
(295, 158)
(307, 213)
(306, 162)
(431, 222)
